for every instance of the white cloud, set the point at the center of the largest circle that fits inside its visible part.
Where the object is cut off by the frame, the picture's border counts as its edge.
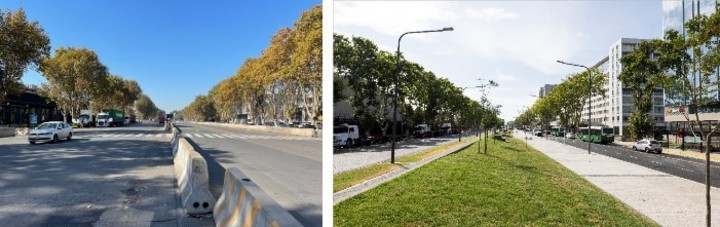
(515, 43)
(490, 14)
(391, 18)
(503, 78)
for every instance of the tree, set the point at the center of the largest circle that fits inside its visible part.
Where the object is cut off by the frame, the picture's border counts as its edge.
(201, 109)
(565, 101)
(643, 74)
(306, 63)
(693, 62)
(145, 107)
(72, 75)
(286, 77)
(22, 44)
(131, 91)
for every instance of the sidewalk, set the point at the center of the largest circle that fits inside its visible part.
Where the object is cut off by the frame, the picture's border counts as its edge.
(664, 198)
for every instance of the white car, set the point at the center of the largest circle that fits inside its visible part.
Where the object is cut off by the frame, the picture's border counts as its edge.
(647, 146)
(50, 131)
(570, 135)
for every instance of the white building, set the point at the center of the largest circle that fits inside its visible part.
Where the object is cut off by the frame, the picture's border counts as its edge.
(614, 110)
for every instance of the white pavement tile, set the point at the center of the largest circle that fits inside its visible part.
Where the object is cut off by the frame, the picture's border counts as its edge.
(667, 199)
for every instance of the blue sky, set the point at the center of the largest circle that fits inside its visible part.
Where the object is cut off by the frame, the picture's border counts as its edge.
(515, 43)
(174, 49)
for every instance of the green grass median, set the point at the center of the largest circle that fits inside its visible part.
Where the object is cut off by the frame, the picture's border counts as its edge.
(509, 186)
(347, 179)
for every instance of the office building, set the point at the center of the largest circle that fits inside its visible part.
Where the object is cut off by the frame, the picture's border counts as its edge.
(615, 108)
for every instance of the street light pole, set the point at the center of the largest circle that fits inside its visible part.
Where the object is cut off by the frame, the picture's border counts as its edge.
(589, 98)
(395, 80)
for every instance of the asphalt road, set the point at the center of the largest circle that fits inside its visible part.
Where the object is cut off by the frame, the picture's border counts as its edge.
(347, 159)
(288, 169)
(688, 168)
(94, 179)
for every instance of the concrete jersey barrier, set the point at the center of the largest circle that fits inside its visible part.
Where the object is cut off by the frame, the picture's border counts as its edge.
(7, 132)
(193, 179)
(242, 203)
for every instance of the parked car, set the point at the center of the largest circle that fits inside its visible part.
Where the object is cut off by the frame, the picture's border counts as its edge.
(422, 131)
(276, 124)
(647, 146)
(570, 135)
(304, 125)
(538, 133)
(50, 131)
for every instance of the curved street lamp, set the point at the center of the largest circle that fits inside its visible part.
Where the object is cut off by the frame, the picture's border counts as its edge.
(589, 96)
(397, 72)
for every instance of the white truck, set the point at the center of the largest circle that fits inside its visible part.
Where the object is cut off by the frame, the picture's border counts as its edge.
(422, 130)
(345, 135)
(84, 119)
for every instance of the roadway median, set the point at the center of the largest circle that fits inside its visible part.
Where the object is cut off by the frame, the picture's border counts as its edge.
(193, 180)
(350, 183)
(508, 186)
(241, 202)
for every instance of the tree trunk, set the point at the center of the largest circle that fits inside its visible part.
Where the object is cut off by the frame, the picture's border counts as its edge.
(486, 138)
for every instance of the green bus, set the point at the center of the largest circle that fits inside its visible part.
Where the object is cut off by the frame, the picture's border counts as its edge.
(558, 132)
(598, 134)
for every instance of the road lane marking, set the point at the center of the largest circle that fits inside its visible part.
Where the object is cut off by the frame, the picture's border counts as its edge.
(199, 135)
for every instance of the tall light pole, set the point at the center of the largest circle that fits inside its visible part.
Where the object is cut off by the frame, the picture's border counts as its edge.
(397, 84)
(589, 98)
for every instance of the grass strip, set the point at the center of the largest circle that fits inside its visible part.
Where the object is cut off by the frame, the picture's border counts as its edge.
(348, 179)
(510, 186)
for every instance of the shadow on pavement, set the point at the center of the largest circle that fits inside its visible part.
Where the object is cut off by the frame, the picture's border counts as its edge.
(86, 182)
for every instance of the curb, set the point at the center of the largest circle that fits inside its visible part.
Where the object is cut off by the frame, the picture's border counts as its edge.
(376, 181)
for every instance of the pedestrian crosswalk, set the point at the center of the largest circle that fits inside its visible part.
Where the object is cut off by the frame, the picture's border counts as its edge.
(243, 136)
(191, 135)
(123, 135)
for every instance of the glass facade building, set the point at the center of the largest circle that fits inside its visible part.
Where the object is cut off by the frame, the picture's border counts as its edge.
(675, 14)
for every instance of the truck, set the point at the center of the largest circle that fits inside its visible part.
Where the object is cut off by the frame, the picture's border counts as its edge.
(446, 129)
(345, 135)
(169, 117)
(422, 130)
(84, 119)
(161, 117)
(110, 117)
